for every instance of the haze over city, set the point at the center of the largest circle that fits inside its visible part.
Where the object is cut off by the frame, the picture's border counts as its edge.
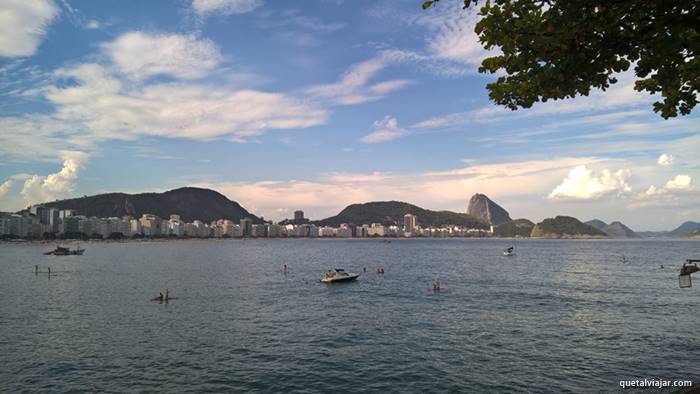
(315, 105)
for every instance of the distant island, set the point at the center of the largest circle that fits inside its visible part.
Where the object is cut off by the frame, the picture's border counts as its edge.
(198, 212)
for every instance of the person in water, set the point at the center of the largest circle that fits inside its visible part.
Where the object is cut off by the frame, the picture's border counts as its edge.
(167, 296)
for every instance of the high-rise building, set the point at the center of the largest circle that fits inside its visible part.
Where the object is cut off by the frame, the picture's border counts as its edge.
(409, 224)
(246, 226)
(299, 216)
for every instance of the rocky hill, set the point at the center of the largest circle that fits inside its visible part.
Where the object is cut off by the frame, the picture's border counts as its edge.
(684, 229)
(190, 203)
(392, 213)
(514, 228)
(482, 208)
(597, 223)
(614, 229)
(565, 227)
(619, 230)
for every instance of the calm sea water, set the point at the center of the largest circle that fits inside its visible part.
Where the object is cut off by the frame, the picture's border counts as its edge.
(562, 316)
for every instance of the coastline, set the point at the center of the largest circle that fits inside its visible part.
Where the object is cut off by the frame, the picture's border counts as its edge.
(326, 239)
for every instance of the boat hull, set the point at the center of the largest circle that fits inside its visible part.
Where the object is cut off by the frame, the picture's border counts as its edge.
(348, 278)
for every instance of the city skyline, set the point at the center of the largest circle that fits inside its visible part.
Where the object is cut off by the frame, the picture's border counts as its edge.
(316, 107)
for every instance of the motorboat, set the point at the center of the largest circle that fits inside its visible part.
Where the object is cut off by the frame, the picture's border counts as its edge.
(338, 275)
(509, 251)
(62, 251)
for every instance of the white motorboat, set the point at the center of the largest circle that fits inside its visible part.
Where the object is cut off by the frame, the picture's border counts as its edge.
(338, 275)
(509, 252)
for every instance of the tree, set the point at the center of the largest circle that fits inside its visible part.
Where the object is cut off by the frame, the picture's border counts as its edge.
(556, 49)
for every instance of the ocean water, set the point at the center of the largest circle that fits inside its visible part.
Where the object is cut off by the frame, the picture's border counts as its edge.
(562, 316)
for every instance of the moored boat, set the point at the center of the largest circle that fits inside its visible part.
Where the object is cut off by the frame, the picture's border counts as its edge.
(63, 251)
(338, 275)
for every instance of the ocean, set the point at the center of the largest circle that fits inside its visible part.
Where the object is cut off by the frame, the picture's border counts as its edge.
(560, 316)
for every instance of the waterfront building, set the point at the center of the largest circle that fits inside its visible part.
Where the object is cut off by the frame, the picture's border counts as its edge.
(409, 224)
(258, 230)
(247, 226)
(150, 225)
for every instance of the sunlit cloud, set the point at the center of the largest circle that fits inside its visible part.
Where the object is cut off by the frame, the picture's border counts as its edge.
(23, 25)
(679, 182)
(582, 183)
(665, 160)
(38, 188)
(224, 7)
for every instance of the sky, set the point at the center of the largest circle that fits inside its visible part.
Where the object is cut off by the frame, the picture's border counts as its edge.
(316, 105)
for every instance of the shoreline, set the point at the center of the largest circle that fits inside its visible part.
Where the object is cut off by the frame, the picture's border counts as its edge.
(323, 239)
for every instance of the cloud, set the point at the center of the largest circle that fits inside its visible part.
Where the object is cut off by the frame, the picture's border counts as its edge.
(326, 196)
(582, 183)
(6, 186)
(38, 189)
(110, 110)
(386, 129)
(620, 97)
(453, 37)
(141, 55)
(665, 160)
(679, 182)
(23, 24)
(225, 7)
(354, 85)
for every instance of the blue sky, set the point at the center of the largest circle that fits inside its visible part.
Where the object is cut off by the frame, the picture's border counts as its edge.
(315, 105)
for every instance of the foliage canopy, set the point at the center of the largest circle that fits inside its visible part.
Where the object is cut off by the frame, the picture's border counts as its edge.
(556, 49)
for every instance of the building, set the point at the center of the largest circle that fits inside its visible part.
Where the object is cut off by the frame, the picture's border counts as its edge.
(247, 226)
(150, 225)
(258, 230)
(299, 216)
(410, 222)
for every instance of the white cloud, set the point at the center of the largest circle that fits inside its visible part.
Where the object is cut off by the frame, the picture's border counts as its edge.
(23, 24)
(665, 160)
(6, 186)
(386, 129)
(679, 182)
(434, 190)
(141, 55)
(38, 189)
(354, 87)
(582, 183)
(225, 7)
(453, 36)
(177, 110)
(92, 24)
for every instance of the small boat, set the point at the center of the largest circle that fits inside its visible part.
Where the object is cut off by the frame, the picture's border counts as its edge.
(61, 251)
(509, 251)
(338, 275)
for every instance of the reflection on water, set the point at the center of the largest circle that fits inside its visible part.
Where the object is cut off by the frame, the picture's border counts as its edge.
(560, 316)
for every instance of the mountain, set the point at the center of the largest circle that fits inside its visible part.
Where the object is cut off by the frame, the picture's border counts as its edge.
(190, 203)
(614, 229)
(482, 208)
(619, 230)
(599, 224)
(517, 227)
(684, 229)
(392, 212)
(564, 227)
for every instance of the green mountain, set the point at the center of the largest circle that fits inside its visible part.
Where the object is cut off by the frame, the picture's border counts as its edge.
(565, 227)
(514, 228)
(190, 203)
(392, 212)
